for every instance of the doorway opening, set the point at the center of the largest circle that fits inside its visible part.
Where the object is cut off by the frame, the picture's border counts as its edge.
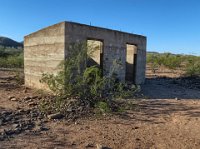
(131, 62)
(95, 53)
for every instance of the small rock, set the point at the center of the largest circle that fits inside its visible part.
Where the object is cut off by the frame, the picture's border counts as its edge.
(10, 97)
(42, 128)
(8, 118)
(17, 130)
(34, 97)
(28, 125)
(15, 125)
(34, 114)
(1, 122)
(2, 137)
(137, 139)
(21, 111)
(18, 108)
(89, 145)
(55, 116)
(99, 146)
(13, 99)
(27, 98)
(10, 132)
(27, 111)
(25, 90)
(73, 143)
(5, 113)
(136, 127)
(80, 108)
(69, 109)
(87, 127)
(32, 104)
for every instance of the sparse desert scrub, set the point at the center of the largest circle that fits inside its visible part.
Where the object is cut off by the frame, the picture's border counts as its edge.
(15, 61)
(193, 66)
(168, 60)
(77, 84)
(188, 63)
(11, 57)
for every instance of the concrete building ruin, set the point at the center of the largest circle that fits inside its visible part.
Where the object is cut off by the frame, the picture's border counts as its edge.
(46, 48)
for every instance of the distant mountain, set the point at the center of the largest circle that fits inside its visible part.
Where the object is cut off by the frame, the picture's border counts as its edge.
(152, 52)
(7, 42)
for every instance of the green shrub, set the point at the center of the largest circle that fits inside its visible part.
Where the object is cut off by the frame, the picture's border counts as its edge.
(15, 61)
(9, 51)
(193, 67)
(124, 90)
(103, 107)
(76, 80)
(168, 60)
(189, 63)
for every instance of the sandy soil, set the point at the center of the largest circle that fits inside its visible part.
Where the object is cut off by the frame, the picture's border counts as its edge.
(160, 121)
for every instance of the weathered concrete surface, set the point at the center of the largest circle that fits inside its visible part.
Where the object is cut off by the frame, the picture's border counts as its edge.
(43, 52)
(114, 47)
(45, 49)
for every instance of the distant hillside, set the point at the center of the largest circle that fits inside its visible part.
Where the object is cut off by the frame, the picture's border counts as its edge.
(152, 52)
(7, 42)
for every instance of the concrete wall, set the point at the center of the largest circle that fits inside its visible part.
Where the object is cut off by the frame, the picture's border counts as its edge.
(43, 52)
(114, 46)
(46, 48)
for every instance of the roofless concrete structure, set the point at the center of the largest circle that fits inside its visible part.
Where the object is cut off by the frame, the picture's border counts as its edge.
(46, 48)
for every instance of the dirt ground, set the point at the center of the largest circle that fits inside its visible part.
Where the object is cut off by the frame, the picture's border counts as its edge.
(168, 118)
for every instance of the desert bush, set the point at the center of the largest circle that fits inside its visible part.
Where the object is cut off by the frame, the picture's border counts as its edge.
(15, 61)
(69, 79)
(167, 60)
(103, 107)
(152, 59)
(171, 61)
(193, 66)
(11, 57)
(19, 77)
(10, 51)
(190, 64)
(76, 80)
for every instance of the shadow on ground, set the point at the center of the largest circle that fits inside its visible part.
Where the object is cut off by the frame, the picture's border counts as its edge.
(160, 111)
(171, 88)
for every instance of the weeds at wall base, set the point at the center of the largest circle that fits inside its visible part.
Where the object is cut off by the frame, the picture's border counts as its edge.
(80, 89)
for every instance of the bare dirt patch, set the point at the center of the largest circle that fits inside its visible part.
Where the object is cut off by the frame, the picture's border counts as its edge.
(168, 118)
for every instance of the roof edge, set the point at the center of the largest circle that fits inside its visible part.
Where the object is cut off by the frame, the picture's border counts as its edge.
(123, 32)
(44, 28)
(97, 27)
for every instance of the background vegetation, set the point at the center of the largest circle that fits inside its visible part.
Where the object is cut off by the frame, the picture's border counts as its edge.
(11, 57)
(188, 63)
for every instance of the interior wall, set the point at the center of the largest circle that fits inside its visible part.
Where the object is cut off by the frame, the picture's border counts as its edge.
(131, 60)
(94, 51)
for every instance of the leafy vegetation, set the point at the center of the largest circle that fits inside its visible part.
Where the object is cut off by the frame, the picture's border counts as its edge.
(190, 64)
(11, 57)
(168, 60)
(78, 81)
(193, 66)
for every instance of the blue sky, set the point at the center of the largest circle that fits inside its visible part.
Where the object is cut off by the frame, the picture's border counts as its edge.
(170, 25)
